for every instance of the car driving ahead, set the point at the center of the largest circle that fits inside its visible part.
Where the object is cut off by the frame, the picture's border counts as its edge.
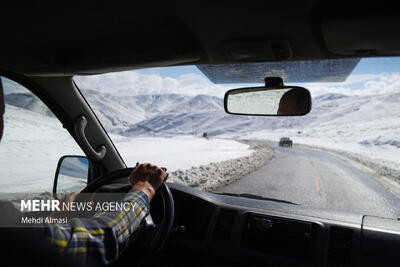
(285, 141)
(92, 89)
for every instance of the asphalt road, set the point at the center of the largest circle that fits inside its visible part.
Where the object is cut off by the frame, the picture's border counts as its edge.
(313, 178)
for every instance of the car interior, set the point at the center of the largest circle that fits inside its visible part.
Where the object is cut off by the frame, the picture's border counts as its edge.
(44, 44)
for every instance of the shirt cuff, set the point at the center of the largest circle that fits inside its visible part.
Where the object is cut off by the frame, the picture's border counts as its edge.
(139, 196)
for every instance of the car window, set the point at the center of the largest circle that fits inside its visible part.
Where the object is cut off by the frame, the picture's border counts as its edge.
(32, 143)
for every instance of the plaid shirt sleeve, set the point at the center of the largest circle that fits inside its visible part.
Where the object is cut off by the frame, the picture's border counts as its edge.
(102, 238)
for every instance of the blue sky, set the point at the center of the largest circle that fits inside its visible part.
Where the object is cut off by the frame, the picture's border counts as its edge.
(377, 65)
(173, 72)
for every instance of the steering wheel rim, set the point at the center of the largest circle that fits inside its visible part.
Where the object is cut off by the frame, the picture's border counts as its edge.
(164, 228)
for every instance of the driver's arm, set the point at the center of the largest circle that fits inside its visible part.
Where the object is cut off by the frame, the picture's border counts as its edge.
(102, 238)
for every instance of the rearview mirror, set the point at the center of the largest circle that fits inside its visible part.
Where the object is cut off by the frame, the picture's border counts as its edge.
(71, 175)
(266, 101)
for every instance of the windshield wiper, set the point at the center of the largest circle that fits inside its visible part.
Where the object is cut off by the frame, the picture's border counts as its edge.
(246, 195)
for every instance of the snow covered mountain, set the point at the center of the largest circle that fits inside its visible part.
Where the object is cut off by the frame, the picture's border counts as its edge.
(367, 121)
(27, 101)
(367, 124)
(121, 113)
(172, 114)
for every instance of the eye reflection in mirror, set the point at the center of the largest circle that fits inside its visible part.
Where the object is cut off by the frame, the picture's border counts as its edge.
(262, 101)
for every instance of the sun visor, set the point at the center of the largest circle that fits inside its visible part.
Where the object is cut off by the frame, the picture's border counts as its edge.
(372, 35)
(332, 70)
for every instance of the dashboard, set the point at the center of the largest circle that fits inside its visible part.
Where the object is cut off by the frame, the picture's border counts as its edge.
(219, 230)
(222, 230)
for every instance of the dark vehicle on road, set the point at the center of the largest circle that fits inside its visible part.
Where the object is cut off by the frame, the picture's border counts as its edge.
(285, 141)
(114, 81)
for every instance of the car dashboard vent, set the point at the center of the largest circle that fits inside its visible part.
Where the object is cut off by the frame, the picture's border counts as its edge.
(223, 227)
(340, 246)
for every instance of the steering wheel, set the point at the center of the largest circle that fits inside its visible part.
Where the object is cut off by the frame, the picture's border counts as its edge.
(157, 234)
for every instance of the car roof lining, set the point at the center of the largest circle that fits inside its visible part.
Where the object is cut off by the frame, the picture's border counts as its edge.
(48, 38)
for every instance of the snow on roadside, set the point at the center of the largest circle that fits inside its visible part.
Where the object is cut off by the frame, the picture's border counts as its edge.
(211, 176)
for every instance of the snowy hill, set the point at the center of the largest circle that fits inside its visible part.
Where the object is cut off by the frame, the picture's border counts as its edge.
(27, 101)
(368, 124)
(173, 114)
(367, 120)
(121, 113)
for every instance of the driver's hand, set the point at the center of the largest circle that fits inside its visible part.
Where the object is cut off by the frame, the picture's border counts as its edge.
(147, 178)
(70, 197)
(67, 200)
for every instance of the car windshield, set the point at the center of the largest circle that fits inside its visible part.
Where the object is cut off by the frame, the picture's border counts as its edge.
(344, 155)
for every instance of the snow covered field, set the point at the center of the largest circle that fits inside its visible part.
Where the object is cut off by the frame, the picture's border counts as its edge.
(30, 149)
(33, 143)
(179, 152)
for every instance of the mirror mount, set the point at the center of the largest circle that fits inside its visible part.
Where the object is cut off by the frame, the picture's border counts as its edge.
(273, 82)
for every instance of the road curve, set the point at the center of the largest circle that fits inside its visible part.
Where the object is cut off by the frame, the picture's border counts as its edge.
(314, 178)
